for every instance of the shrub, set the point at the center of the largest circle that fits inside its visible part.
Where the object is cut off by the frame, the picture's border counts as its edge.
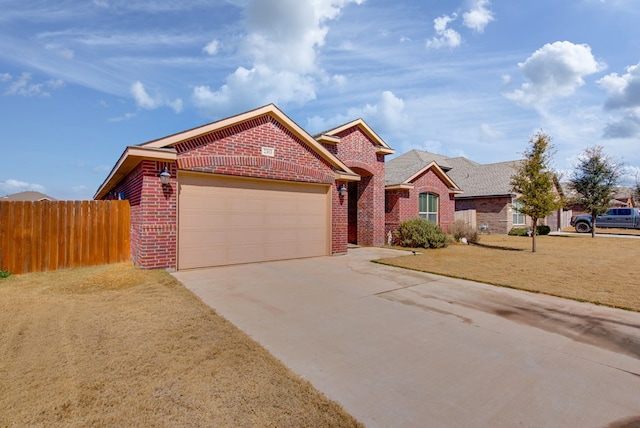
(4, 274)
(522, 231)
(420, 233)
(518, 231)
(543, 230)
(460, 229)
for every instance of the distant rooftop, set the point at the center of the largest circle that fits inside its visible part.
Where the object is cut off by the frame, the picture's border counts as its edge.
(27, 196)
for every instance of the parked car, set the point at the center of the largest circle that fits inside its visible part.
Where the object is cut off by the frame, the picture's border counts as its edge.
(621, 218)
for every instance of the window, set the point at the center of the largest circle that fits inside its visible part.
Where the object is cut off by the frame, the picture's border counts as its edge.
(428, 207)
(518, 217)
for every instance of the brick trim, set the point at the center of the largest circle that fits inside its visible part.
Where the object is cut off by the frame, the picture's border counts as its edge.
(208, 163)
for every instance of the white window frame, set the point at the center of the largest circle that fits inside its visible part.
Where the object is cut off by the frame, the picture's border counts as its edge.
(516, 214)
(432, 216)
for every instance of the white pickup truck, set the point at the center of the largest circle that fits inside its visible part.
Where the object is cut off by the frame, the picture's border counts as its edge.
(621, 218)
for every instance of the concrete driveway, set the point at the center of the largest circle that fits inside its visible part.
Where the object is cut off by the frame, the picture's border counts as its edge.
(399, 348)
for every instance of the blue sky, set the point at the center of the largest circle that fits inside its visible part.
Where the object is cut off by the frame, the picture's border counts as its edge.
(81, 80)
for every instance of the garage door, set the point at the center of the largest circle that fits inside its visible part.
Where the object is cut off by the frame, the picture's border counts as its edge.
(226, 221)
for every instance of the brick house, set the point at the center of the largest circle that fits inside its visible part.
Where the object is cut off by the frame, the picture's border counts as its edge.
(252, 187)
(482, 194)
(257, 187)
(417, 185)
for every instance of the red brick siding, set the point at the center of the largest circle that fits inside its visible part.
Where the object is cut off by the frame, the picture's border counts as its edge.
(339, 220)
(402, 205)
(238, 151)
(358, 152)
(153, 215)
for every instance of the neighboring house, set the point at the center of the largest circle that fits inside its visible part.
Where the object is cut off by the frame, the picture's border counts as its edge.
(248, 188)
(27, 196)
(481, 193)
(418, 185)
(622, 198)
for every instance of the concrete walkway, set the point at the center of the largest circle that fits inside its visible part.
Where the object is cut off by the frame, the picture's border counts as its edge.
(405, 349)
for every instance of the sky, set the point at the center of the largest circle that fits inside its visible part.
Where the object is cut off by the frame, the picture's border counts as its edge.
(82, 80)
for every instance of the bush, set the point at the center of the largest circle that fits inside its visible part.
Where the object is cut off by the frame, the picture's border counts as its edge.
(522, 231)
(460, 229)
(518, 231)
(420, 233)
(543, 230)
(4, 274)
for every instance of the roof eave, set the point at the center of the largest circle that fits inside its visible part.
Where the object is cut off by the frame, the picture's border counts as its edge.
(270, 110)
(129, 159)
(348, 177)
(380, 143)
(401, 186)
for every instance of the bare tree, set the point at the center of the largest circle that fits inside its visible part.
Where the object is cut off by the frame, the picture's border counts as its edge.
(534, 182)
(594, 180)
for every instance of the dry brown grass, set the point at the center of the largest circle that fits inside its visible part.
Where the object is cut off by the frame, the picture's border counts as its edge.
(603, 270)
(117, 346)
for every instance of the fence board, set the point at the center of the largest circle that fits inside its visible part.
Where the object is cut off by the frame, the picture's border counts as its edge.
(46, 235)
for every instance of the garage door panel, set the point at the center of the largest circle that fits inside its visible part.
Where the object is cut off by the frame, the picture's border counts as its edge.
(229, 221)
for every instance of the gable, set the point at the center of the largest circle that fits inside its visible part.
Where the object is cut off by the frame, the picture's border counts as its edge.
(289, 151)
(261, 147)
(230, 125)
(333, 136)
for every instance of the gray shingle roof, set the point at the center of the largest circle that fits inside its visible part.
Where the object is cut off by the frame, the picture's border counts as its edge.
(475, 180)
(401, 168)
(483, 180)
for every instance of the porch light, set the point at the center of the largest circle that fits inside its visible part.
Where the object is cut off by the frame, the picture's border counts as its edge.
(165, 175)
(342, 191)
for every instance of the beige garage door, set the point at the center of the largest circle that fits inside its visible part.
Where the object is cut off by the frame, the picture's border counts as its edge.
(226, 221)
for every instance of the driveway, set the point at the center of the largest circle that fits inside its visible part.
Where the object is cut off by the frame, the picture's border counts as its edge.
(399, 348)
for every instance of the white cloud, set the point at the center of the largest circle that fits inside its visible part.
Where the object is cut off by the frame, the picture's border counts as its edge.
(623, 94)
(145, 101)
(14, 186)
(487, 131)
(257, 86)
(445, 37)
(126, 116)
(282, 41)
(387, 115)
(623, 91)
(478, 17)
(60, 50)
(212, 47)
(555, 70)
(24, 87)
(5, 77)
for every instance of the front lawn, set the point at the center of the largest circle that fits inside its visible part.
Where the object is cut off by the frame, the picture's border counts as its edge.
(118, 346)
(603, 270)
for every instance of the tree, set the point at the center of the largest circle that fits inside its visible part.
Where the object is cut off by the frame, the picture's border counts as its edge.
(534, 183)
(594, 180)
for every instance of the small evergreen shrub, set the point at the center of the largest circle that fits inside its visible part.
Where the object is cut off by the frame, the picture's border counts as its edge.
(420, 233)
(543, 230)
(522, 231)
(460, 229)
(518, 231)
(4, 274)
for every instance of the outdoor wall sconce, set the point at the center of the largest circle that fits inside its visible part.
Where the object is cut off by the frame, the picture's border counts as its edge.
(342, 191)
(165, 175)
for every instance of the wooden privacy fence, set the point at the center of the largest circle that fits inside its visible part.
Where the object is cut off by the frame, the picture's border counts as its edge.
(50, 235)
